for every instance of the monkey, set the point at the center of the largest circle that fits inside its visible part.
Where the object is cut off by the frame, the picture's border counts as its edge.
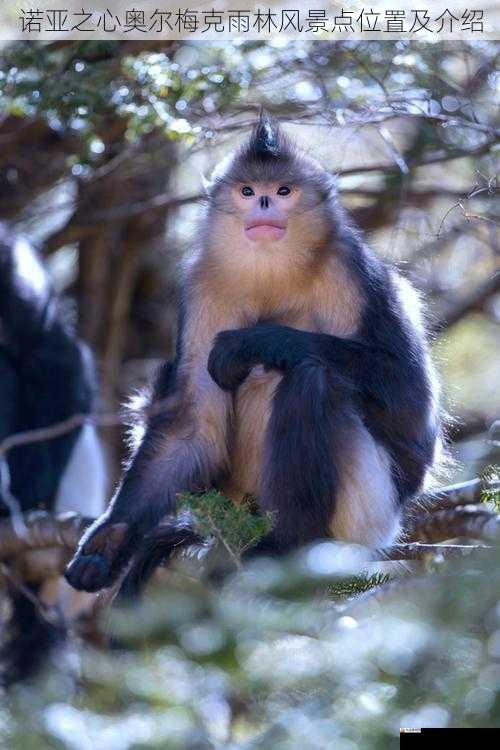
(46, 375)
(302, 375)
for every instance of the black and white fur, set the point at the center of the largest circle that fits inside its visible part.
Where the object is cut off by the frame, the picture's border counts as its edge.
(343, 402)
(46, 376)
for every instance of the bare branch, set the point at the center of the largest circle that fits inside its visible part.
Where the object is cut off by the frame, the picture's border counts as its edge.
(56, 430)
(434, 157)
(40, 434)
(43, 531)
(79, 227)
(435, 119)
(475, 300)
(432, 248)
(462, 493)
(59, 535)
(466, 521)
(417, 551)
(490, 189)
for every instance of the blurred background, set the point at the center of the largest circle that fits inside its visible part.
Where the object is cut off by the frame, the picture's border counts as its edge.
(103, 147)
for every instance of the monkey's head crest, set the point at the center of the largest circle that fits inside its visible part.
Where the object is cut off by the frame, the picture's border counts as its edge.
(267, 142)
(267, 156)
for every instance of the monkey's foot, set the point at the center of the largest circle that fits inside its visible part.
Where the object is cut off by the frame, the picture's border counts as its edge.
(100, 558)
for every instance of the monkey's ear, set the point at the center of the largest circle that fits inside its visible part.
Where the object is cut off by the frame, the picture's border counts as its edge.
(267, 140)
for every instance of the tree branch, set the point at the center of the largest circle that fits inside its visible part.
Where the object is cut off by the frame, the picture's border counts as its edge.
(466, 521)
(475, 300)
(417, 551)
(434, 157)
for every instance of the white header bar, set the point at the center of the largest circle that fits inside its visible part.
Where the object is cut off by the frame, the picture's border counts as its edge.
(219, 20)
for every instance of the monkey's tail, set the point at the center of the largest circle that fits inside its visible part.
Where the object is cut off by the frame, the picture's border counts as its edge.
(169, 539)
(28, 639)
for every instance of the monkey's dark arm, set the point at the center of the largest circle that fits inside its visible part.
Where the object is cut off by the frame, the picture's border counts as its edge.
(385, 371)
(282, 348)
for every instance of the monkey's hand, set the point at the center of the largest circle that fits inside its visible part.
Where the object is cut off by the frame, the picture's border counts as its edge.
(274, 346)
(230, 360)
(102, 553)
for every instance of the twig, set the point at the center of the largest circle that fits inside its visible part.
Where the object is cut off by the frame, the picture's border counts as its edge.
(40, 434)
(52, 431)
(220, 537)
(49, 614)
(8, 498)
(490, 188)
(462, 493)
(418, 550)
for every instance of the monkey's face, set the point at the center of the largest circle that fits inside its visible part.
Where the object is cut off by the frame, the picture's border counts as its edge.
(265, 209)
(268, 216)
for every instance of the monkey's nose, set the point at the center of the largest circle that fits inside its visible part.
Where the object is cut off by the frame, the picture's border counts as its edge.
(264, 201)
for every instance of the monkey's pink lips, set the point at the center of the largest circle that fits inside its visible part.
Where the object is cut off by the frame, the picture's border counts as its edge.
(265, 231)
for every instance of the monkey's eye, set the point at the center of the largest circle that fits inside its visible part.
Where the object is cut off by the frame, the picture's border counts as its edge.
(247, 191)
(284, 190)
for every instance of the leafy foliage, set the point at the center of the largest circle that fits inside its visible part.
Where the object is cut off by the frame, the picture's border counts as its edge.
(360, 584)
(80, 87)
(238, 528)
(235, 526)
(491, 490)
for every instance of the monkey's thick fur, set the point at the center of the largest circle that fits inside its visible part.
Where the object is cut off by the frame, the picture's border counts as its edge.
(302, 374)
(46, 376)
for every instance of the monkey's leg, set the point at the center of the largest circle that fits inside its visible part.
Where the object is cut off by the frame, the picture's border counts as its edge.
(322, 472)
(181, 452)
(184, 448)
